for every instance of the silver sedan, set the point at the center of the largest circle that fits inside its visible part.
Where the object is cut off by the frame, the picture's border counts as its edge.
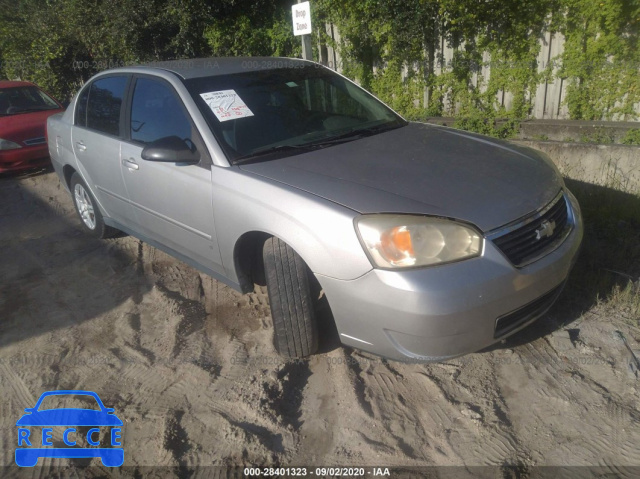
(428, 242)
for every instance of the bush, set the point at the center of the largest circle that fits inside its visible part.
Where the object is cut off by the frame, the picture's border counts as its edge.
(632, 137)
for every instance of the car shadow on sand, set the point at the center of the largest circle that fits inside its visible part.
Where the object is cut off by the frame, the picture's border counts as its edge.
(53, 274)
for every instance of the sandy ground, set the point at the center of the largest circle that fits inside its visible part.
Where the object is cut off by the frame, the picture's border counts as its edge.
(189, 367)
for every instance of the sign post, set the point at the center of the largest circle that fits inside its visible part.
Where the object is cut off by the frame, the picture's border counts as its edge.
(301, 15)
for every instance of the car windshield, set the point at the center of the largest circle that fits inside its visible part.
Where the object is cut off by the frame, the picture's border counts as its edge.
(24, 99)
(270, 113)
(67, 401)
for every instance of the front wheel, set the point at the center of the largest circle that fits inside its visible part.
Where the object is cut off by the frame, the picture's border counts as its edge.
(292, 309)
(88, 210)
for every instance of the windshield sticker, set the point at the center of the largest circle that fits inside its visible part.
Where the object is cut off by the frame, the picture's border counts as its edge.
(226, 105)
(292, 84)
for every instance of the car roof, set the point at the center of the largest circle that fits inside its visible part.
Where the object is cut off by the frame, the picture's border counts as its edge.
(13, 84)
(206, 67)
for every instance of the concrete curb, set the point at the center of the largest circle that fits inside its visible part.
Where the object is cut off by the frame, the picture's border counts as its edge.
(614, 166)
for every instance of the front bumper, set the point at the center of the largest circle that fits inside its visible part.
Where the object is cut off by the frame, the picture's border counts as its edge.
(24, 158)
(431, 314)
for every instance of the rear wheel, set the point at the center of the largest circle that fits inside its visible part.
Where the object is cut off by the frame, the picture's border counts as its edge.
(87, 209)
(292, 308)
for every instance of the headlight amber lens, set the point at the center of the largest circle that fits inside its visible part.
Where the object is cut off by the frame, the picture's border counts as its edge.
(397, 241)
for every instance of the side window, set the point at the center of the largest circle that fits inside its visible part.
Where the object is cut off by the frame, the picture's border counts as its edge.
(157, 112)
(81, 108)
(105, 102)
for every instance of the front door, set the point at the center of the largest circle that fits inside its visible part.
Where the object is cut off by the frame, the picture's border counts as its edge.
(172, 202)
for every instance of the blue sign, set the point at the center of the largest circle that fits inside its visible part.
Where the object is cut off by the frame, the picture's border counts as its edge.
(33, 446)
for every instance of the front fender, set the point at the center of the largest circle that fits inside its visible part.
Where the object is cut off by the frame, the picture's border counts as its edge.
(320, 231)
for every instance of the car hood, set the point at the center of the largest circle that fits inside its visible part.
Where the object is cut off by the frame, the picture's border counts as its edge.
(25, 126)
(424, 169)
(69, 417)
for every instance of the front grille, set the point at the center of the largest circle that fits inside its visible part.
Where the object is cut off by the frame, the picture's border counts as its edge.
(35, 141)
(507, 323)
(538, 236)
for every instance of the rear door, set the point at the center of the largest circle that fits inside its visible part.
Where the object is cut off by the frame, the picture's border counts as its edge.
(172, 202)
(96, 135)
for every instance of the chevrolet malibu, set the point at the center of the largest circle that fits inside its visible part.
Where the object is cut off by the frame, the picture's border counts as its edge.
(428, 242)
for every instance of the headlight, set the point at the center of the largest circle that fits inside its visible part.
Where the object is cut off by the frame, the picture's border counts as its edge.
(401, 241)
(8, 145)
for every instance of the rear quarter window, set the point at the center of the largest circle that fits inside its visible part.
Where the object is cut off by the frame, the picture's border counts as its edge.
(81, 108)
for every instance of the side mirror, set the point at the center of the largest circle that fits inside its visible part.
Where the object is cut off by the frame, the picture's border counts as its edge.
(170, 149)
(110, 410)
(29, 409)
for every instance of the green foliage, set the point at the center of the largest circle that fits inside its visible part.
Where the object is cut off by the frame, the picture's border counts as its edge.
(392, 47)
(599, 135)
(601, 57)
(488, 126)
(59, 44)
(263, 30)
(632, 137)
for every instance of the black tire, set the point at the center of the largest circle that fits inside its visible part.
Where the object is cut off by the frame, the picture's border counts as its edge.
(92, 216)
(292, 307)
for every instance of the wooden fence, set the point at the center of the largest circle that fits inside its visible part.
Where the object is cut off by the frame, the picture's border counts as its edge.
(547, 102)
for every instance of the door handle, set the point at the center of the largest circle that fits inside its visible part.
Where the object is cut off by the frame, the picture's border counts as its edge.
(131, 164)
(81, 146)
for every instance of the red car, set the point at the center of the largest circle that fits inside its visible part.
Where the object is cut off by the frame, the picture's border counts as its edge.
(24, 110)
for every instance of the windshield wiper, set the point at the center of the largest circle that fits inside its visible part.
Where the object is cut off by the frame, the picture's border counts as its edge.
(320, 143)
(271, 149)
(352, 135)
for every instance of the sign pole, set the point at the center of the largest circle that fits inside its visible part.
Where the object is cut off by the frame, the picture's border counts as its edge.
(307, 52)
(301, 14)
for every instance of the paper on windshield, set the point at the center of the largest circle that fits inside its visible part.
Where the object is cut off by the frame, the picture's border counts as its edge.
(226, 105)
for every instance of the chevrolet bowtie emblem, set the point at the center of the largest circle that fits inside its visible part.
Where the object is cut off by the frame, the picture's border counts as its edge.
(545, 230)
